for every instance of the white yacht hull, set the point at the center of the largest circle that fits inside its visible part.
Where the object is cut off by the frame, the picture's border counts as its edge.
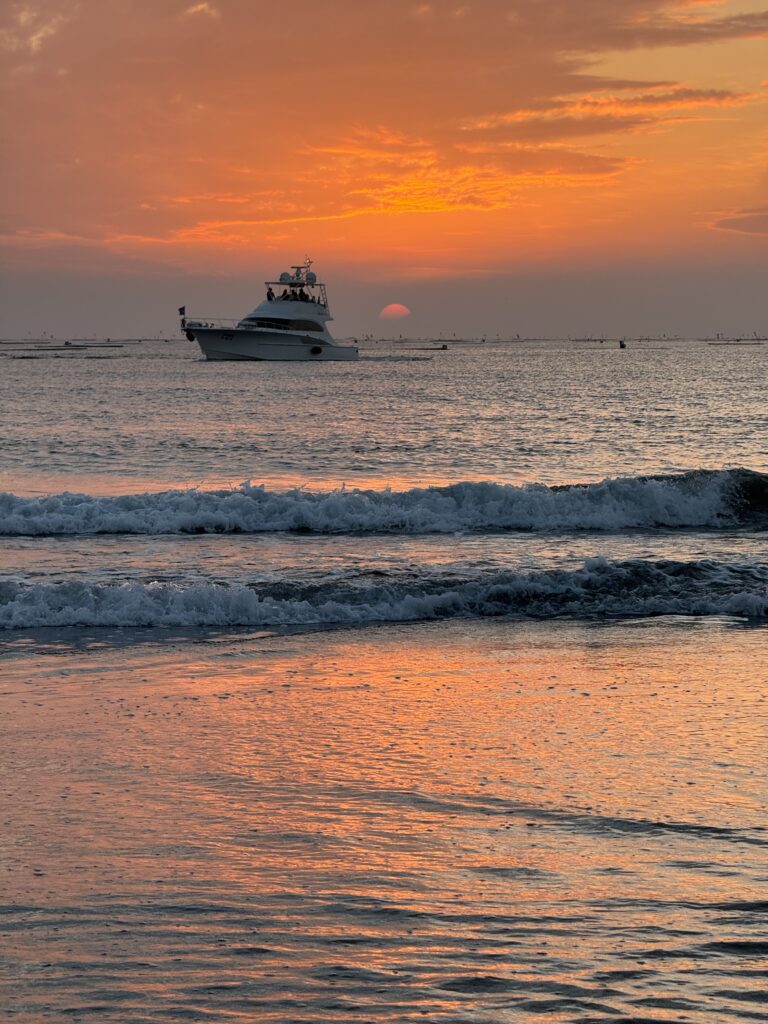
(217, 344)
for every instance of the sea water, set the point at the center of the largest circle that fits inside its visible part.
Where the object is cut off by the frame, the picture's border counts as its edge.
(431, 686)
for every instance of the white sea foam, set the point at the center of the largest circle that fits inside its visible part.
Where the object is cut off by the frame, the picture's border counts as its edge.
(708, 499)
(599, 588)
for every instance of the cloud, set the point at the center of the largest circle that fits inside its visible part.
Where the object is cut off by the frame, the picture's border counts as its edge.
(585, 27)
(679, 98)
(424, 11)
(752, 221)
(384, 172)
(665, 30)
(204, 198)
(29, 27)
(476, 112)
(547, 159)
(203, 8)
(30, 238)
(591, 114)
(594, 25)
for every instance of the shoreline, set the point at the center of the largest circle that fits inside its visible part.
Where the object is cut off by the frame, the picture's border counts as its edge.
(452, 817)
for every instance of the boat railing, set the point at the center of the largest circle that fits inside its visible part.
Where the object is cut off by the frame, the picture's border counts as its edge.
(288, 291)
(248, 323)
(213, 321)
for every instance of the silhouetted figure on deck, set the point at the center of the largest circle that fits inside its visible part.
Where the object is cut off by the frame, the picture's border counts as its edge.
(270, 294)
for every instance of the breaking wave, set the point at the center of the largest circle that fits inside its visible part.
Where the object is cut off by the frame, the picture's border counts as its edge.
(701, 498)
(599, 588)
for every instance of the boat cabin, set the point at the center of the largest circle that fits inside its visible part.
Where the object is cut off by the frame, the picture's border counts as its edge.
(295, 302)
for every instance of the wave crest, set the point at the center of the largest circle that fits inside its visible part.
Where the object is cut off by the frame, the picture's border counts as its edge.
(712, 499)
(600, 588)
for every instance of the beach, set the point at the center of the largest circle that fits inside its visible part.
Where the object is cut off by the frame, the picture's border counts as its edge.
(471, 821)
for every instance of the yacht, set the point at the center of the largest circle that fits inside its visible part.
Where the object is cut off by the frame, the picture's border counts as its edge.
(291, 323)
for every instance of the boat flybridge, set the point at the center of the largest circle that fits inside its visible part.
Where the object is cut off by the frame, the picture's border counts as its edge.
(291, 323)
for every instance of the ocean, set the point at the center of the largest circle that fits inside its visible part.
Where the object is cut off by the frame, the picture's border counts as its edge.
(428, 687)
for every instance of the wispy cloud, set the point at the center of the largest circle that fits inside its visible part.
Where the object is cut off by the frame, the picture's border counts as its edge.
(385, 172)
(237, 199)
(202, 8)
(29, 26)
(632, 24)
(33, 238)
(372, 180)
(752, 221)
(600, 112)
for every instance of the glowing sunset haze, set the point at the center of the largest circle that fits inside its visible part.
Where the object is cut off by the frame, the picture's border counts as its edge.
(590, 166)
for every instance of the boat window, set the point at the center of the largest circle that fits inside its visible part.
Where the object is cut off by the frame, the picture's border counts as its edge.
(281, 325)
(305, 325)
(274, 325)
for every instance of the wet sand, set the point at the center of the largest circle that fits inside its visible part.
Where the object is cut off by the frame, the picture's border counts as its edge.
(462, 821)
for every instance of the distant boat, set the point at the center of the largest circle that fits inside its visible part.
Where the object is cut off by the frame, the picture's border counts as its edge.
(288, 326)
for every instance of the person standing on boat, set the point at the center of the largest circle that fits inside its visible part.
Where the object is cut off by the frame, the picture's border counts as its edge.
(270, 294)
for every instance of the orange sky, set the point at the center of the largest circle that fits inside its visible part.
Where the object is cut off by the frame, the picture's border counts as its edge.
(403, 145)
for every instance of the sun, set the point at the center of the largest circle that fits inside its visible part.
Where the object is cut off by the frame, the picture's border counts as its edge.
(394, 311)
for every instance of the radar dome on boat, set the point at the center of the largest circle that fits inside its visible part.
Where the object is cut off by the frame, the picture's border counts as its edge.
(285, 277)
(311, 277)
